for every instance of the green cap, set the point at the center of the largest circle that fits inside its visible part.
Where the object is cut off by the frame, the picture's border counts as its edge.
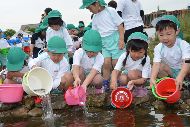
(170, 18)
(57, 44)
(92, 41)
(44, 24)
(39, 30)
(15, 57)
(78, 29)
(81, 25)
(86, 3)
(86, 28)
(70, 26)
(54, 13)
(138, 35)
(90, 25)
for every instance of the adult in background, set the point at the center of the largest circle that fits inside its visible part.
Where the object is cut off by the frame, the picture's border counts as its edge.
(112, 4)
(46, 11)
(131, 11)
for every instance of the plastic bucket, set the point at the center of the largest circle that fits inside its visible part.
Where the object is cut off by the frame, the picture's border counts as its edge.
(121, 98)
(166, 90)
(4, 51)
(11, 93)
(75, 96)
(37, 81)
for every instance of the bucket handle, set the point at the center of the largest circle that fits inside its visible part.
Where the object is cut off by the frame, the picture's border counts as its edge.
(153, 87)
(24, 77)
(71, 93)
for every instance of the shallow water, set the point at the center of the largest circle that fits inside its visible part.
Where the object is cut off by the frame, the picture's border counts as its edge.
(141, 117)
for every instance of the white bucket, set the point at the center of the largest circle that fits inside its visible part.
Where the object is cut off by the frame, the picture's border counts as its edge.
(37, 81)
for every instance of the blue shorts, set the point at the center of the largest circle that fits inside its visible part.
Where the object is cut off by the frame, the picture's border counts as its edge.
(3, 60)
(126, 72)
(110, 46)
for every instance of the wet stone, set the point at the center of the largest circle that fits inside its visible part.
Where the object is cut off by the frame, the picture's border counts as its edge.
(160, 105)
(188, 102)
(29, 103)
(140, 100)
(36, 112)
(22, 111)
(95, 100)
(184, 106)
(9, 106)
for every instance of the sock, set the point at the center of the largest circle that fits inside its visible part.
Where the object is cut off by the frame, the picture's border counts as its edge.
(118, 84)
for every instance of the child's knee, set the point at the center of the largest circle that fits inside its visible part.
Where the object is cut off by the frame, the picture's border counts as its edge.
(133, 76)
(123, 80)
(107, 65)
(98, 81)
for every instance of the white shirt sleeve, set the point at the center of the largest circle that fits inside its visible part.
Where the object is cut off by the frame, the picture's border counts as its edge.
(117, 20)
(146, 68)
(94, 27)
(119, 63)
(63, 70)
(157, 54)
(140, 6)
(99, 62)
(47, 35)
(185, 47)
(77, 56)
(37, 61)
(120, 6)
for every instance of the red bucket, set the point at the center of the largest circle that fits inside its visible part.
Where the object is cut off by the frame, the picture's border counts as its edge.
(166, 89)
(121, 98)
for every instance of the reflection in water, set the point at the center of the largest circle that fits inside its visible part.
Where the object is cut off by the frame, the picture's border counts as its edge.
(172, 120)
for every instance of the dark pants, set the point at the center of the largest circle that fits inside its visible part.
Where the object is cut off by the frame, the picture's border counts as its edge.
(35, 52)
(130, 31)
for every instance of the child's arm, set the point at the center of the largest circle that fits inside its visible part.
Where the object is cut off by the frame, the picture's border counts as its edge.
(76, 75)
(31, 49)
(89, 78)
(11, 74)
(154, 73)
(121, 32)
(137, 82)
(184, 69)
(37, 61)
(114, 76)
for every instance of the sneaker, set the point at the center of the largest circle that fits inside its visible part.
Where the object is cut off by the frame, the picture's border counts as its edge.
(106, 85)
(118, 84)
(97, 91)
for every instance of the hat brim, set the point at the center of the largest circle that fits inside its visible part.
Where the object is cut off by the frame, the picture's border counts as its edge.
(57, 50)
(155, 21)
(15, 67)
(92, 48)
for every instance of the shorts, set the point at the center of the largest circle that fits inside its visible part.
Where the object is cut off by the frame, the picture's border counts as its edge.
(126, 72)
(86, 73)
(110, 46)
(3, 60)
(175, 72)
(26, 49)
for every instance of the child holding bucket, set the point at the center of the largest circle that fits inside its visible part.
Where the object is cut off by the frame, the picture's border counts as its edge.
(109, 24)
(171, 53)
(136, 63)
(88, 61)
(16, 65)
(55, 62)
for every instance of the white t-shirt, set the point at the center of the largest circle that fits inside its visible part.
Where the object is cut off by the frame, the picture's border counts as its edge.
(134, 65)
(19, 45)
(57, 70)
(173, 56)
(80, 58)
(106, 21)
(61, 33)
(130, 13)
(3, 44)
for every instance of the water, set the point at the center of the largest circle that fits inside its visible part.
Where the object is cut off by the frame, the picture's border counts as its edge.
(106, 117)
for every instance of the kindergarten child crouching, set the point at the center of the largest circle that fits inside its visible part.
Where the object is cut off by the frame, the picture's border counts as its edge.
(55, 62)
(88, 61)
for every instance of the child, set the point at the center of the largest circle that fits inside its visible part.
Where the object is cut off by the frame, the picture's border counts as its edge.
(81, 26)
(16, 65)
(18, 42)
(136, 63)
(58, 29)
(88, 61)
(70, 29)
(76, 39)
(38, 41)
(26, 45)
(13, 43)
(3, 58)
(55, 62)
(172, 51)
(109, 25)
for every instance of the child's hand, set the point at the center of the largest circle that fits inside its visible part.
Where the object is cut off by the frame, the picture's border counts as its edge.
(178, 82)
(121, 45)
(130, 84)
(77, 82)
(84, 87)
(10, 74)
(152, 82)
(114, 85)
(34, 66)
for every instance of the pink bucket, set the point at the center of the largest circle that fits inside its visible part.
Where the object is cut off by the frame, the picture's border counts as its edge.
(11, 93)
(75, 96)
